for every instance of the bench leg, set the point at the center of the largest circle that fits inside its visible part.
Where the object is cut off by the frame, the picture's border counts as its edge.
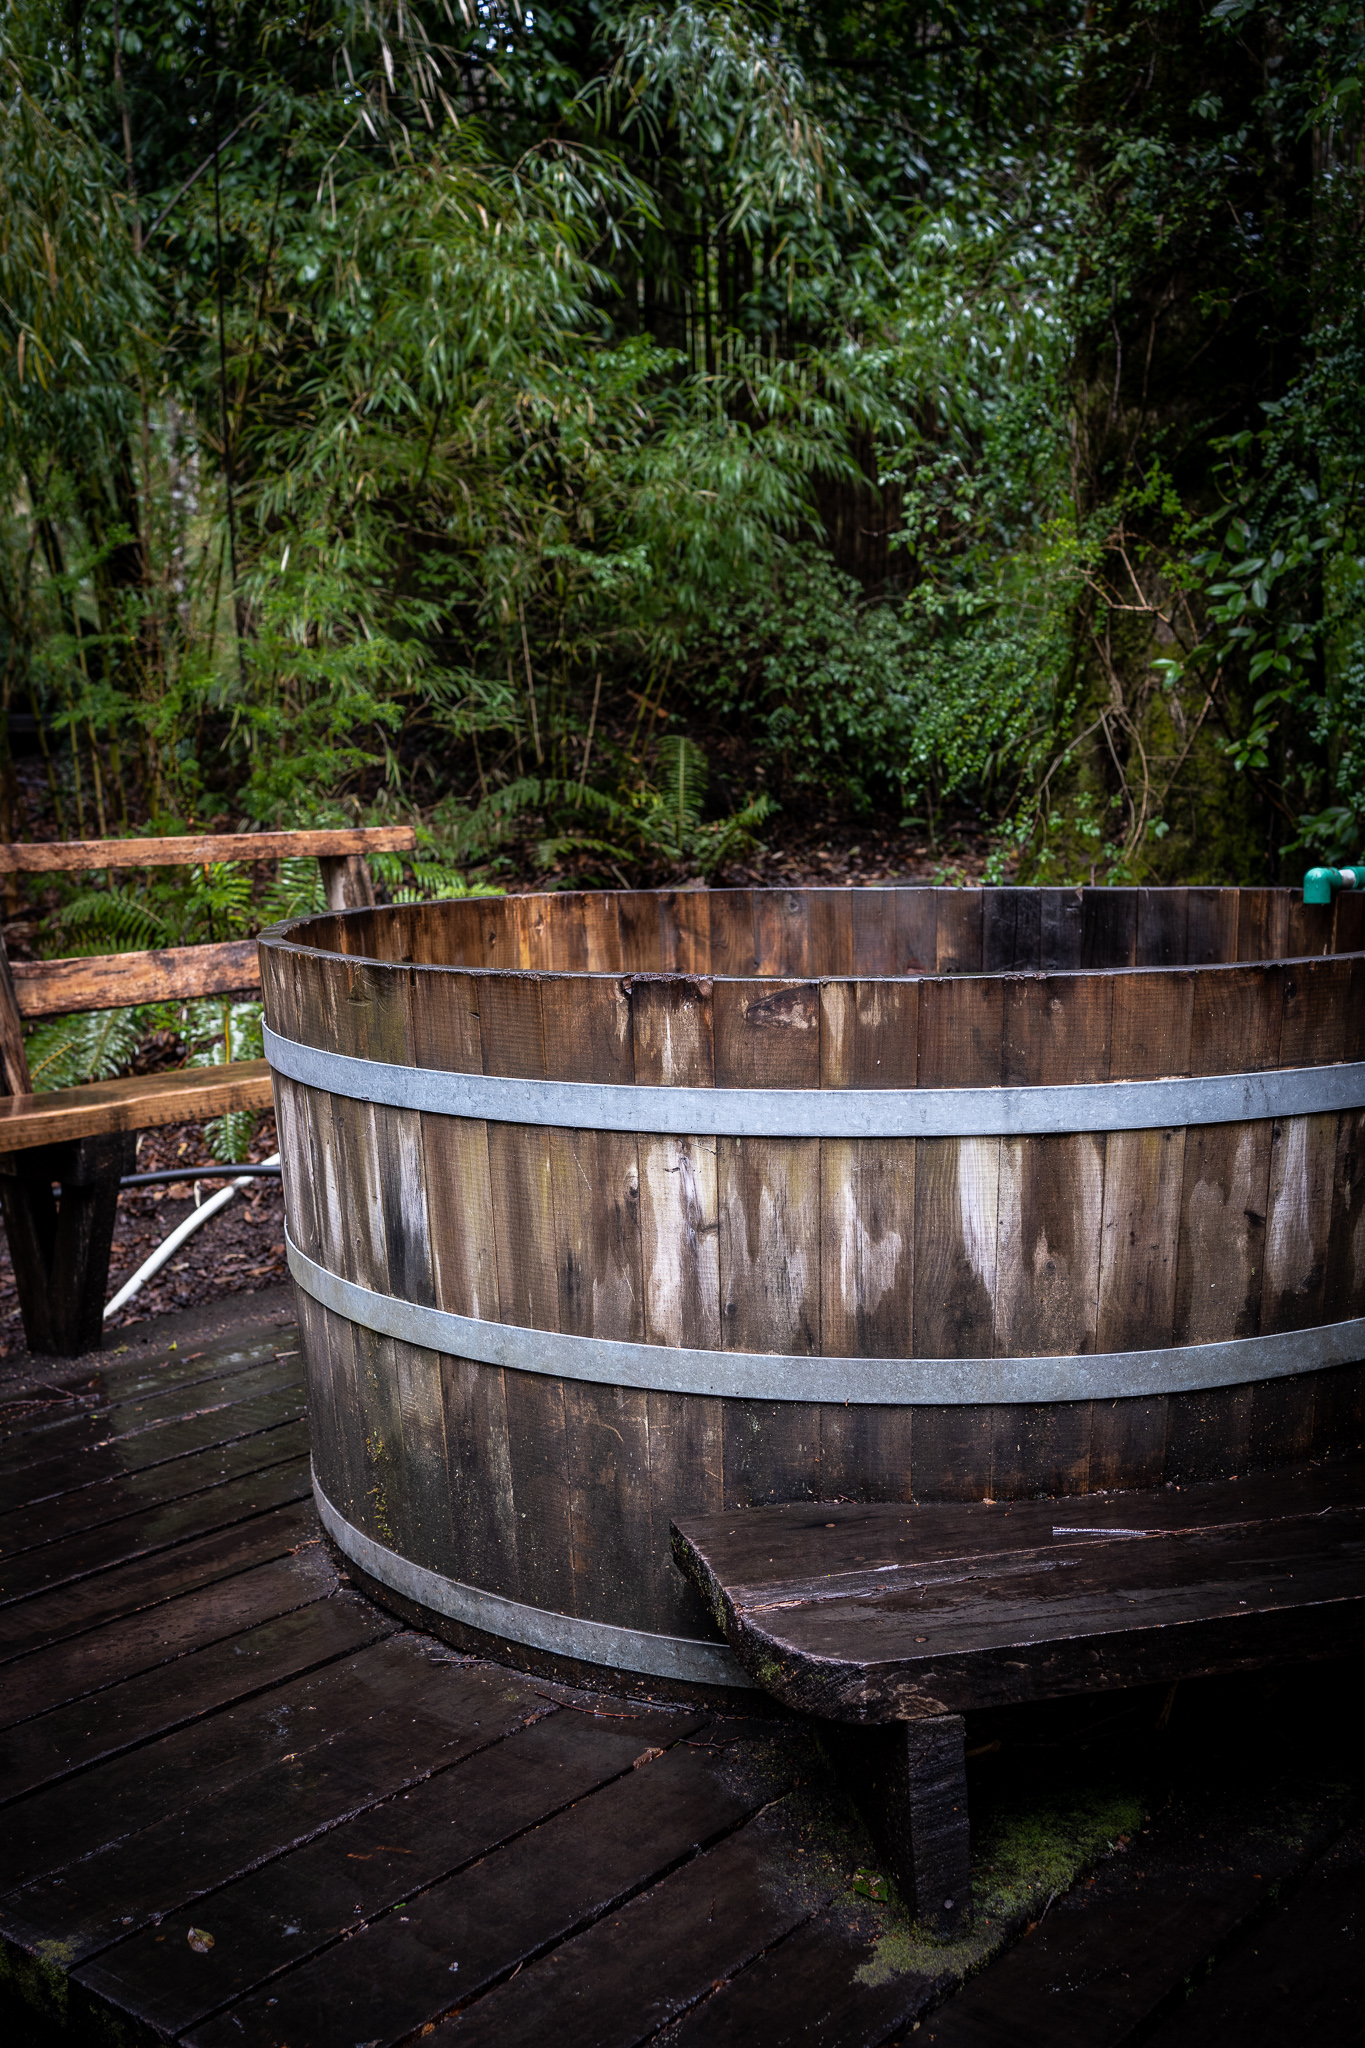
(909, 1781)
(60, 1247)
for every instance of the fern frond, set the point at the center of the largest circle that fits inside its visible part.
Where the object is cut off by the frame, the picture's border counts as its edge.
(220, 899)
(92, 1045)
(682, 784)
(295, 892)
(229, 1136)
(106, 921)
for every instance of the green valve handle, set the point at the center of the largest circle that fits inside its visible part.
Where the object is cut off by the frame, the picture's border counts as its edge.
(1321, 884)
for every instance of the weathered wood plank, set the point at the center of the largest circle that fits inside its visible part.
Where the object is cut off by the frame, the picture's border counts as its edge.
(660, 1955)
(867, 1252)
(49, 988)
(569, 1872)
(136, 1586)
(217, 1798)
(957, 936)
(448, 1821)
(869, 1034)
(316, 1630)
(767, 1035)
(69, 856)
(33, 1491)
(1298, 1226)
(90, 1554)
(877, 1613)
(131, 1646)
(138, 1102)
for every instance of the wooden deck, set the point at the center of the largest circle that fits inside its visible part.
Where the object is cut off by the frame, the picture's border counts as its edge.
(245, 1806)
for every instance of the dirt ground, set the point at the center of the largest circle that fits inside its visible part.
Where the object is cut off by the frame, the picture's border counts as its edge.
(239, 1251)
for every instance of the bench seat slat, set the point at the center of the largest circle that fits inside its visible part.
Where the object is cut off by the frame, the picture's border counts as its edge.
(115, 981)
(897, 1611)
(137, 1102)
(68, 856)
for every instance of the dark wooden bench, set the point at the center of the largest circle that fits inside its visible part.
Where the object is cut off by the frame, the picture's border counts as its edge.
(891, 1621)
(85, 1139)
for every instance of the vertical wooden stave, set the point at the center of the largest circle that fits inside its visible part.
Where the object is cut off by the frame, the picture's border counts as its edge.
(1108, 929)
(732, 933)
(768, 1213)
(1162, 928)
(1235, 1027)
(596, 1188)
(961, 1044)
(1348, 921)
(512, 1040)
(1057, 1030)
(832, 931)
(957, 931)
(1152, 1022)
(782, 932)
(1059, 931)
(916, 932)
(867, 1245)
(1011, 930)
(640, 921)
(1211, 933)
(673, 1041)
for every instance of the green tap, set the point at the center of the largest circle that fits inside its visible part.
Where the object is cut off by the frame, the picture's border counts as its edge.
(1321, 884)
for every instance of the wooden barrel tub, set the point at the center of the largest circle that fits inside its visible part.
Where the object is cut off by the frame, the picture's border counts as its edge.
(608, 1207)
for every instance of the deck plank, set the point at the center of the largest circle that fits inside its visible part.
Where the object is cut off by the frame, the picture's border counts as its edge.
(123, 1457)
(264, 1580)
(31, 1401)
(1295, 1976)
(91, 1553)
(33, 1627)
(76, 1436)
(243, 1757)
(309, 1626)
(461, 1936)
(274, 1918)
(648, 1964)
(1120, 1950)
(388, 1726)
(89, 1508)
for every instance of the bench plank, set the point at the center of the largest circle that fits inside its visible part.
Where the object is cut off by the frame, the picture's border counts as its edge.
(136, 1103)
(68, 856)
(115, 981)
(882, 1613)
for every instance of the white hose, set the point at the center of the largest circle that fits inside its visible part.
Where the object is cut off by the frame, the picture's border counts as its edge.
(183, 1230)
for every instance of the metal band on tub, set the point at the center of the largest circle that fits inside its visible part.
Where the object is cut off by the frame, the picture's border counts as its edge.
(861, 1382)
(687, 1659)
(827, 1112)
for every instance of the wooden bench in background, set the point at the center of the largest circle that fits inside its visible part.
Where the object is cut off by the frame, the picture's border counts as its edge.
(892, 1621)
(85, 1139)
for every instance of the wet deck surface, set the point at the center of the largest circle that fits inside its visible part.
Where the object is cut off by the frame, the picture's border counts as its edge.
(243, 1805)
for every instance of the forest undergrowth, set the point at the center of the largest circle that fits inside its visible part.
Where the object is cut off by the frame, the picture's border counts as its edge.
(674, 443)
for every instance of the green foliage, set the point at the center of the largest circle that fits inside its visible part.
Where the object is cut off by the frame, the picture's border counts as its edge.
(216, 1032)
(92, 1046)
(521, 411)
(112, 920)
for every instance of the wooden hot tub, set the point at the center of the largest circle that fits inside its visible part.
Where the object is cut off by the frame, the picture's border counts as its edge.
(608, 1207)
